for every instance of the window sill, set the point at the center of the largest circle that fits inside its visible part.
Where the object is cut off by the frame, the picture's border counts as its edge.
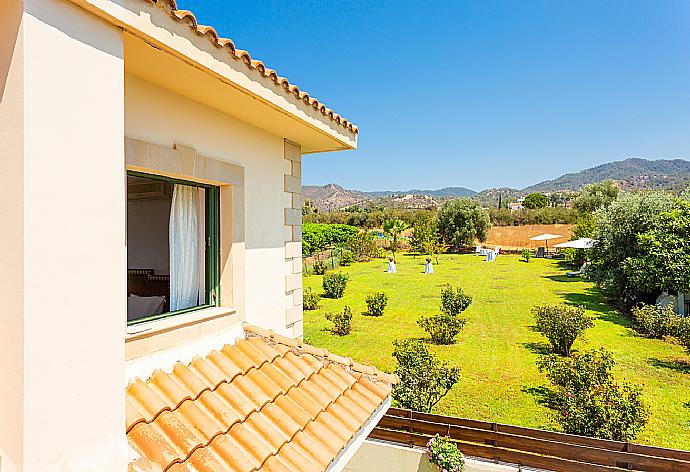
(151, 328)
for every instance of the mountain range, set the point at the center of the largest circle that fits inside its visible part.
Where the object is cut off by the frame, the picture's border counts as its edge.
(632, 173)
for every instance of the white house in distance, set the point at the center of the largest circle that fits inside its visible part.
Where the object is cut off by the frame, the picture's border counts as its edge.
(151, 255)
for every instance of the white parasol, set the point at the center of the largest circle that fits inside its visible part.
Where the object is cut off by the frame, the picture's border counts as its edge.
(546, 237)
(582, 243)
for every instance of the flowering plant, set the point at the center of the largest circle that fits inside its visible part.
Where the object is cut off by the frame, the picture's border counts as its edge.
(445, 455)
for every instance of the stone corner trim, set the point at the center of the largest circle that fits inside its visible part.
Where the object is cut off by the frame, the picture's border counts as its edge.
(293, 244)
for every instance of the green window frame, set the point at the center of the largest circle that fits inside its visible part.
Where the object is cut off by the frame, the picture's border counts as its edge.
(212, 234)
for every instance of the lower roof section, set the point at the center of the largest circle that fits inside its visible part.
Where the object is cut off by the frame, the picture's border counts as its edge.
(265, 403)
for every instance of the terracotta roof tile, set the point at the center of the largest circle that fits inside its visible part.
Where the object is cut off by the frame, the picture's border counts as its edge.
(267, 402)
(187, 17)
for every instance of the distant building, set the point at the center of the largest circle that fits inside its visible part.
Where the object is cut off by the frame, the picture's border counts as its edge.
(517, 205)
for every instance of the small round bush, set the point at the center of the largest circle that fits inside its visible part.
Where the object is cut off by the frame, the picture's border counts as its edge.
(319, 268)
(682, 333)
(346, 258)
(311, 300)
(342, 322)
(526, 254)
(334, 285)
(376, 303)
(561, 325)
(445, 455)
(655, 321)
(442, 328)
(454, 301)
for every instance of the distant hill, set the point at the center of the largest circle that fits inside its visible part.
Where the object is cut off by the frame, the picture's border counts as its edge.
(331, 197)
(633, 173)
(630, 174)
(444, 192)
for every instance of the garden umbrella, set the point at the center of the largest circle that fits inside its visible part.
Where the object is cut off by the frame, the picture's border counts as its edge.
(582, 243)
(546, 237)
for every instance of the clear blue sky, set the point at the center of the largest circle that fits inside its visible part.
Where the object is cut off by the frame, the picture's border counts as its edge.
(477, 94)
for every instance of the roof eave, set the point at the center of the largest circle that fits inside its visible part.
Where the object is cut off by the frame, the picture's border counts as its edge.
(309, 122)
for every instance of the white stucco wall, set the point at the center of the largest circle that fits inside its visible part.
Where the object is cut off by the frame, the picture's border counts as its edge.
(73, 253)
(162, 117)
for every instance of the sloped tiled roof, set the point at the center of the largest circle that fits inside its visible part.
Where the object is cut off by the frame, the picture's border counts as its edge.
(264, 403)
(186, 16)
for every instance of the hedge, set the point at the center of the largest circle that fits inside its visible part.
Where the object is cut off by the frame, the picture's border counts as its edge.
(318, 236)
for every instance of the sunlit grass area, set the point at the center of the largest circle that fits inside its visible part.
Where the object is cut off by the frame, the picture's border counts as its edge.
(498, 348)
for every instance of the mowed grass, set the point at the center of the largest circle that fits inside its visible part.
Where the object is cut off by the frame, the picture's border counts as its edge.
(497, 349)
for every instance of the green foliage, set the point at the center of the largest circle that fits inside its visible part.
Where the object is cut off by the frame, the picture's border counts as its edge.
(462, 221)
(663, 259)
(588, 400)
(423, 379)
(585, 226)
(445, 455)
(682, 333)
(561, 325)
(596, 196)
(424, 234)
(655, 321)
(346, 258)
(317, 237)
(454, 301)
(334, 285)
(616, 230)
(394, 229)
(342, 322)
(376, 303)
(536, 200)
(540, 216)
(310, 299)
(319, 267)
(363, 246)
(442, 328)
(526, 255)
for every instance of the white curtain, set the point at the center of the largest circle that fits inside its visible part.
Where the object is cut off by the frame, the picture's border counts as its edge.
(184, 248)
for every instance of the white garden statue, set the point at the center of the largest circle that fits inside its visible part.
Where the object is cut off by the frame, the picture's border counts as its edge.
(429, 269)
(391, 266)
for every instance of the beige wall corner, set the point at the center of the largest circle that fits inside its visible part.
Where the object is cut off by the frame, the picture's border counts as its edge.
(74, 241)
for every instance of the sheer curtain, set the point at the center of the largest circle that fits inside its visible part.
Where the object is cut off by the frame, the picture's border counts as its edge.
(184, 248)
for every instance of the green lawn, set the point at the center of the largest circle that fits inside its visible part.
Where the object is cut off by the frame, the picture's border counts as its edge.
(497, 349)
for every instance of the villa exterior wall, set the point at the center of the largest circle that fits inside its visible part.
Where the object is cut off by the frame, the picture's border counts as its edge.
(66, 351)
(159, 116)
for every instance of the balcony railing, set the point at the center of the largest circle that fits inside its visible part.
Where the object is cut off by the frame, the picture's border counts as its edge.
(528, 447)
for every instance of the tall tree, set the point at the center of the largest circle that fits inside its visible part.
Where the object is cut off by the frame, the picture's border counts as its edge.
(463, 221)
(596, 196)
(535, 200)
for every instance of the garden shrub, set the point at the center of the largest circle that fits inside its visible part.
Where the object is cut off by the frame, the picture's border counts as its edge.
(317, 236)
(574, 258)
(561, 325)
(376, 303)
(319, 267)
(588, 400)
(423, 379)
(445, 455)
(682, 333)
(334, 285)
(363, 246)
(346, 258)
(310, 300)
(342, 322)
(454, 301)
(442, 328)
(526, 254)
(655, 321)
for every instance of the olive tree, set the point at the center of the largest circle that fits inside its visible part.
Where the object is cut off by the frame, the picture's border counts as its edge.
(462, 221)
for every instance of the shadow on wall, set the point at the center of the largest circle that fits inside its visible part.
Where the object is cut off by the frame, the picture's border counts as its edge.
(11, 13)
